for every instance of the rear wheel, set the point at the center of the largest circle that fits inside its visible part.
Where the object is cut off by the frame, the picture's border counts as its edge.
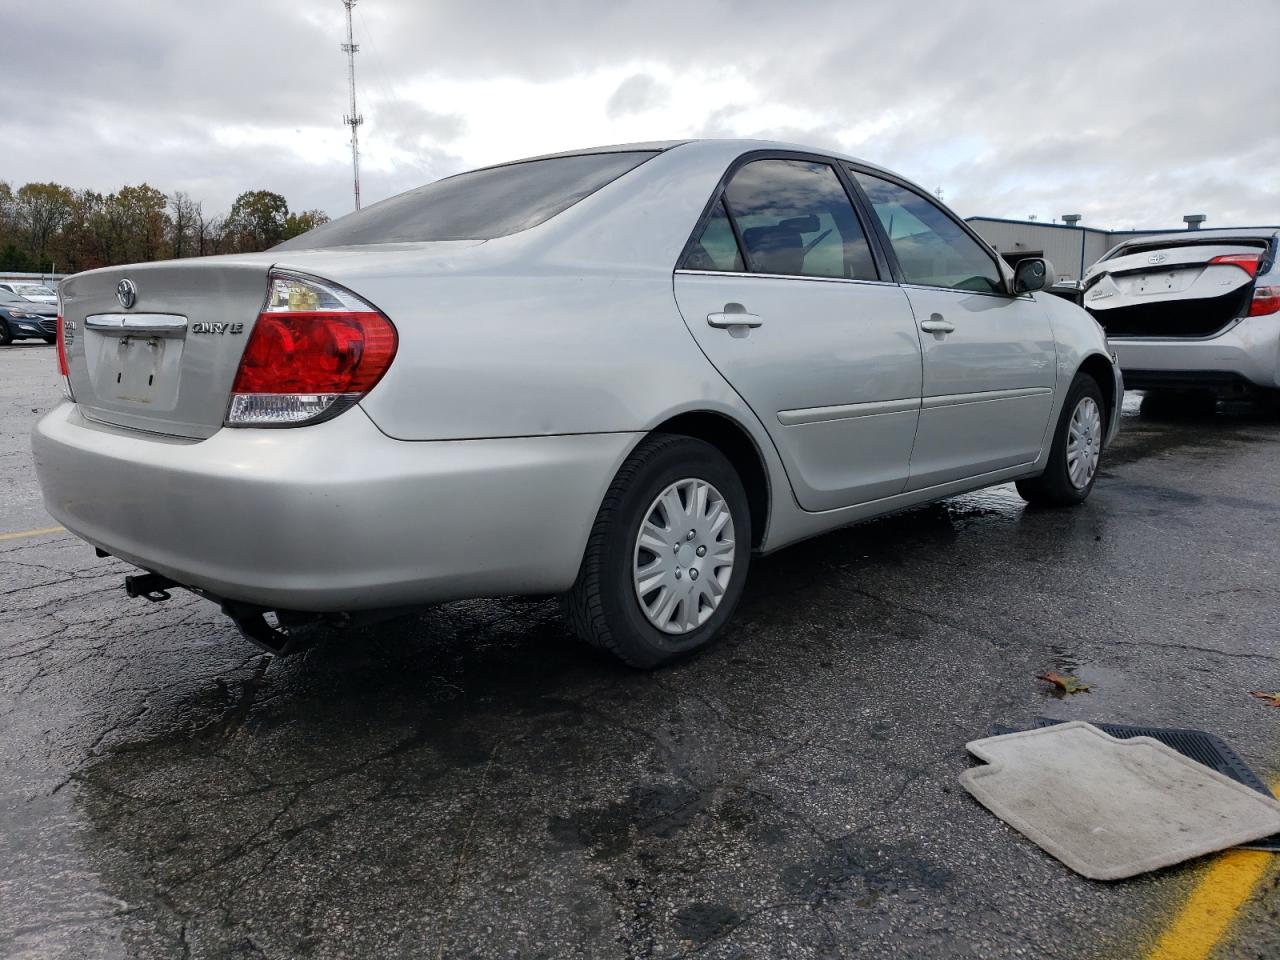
(1077, 449)
(667, 557)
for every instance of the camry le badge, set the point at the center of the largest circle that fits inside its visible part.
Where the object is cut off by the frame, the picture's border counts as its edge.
(127, 293)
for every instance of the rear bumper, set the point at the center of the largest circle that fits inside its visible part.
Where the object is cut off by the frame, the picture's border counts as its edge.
(1246, 354)
(331, 517)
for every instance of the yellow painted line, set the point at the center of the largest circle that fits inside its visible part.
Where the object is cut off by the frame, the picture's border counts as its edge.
(42, 532)
(1214, 902)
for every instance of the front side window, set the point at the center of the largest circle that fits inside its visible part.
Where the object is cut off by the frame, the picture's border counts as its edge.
(932, 249)
(479, 205)
(795, 219)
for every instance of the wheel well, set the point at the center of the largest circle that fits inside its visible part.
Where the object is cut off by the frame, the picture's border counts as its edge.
(736, 444)
(1099, 368)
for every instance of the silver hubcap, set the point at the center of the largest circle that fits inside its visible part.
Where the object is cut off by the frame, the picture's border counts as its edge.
(1084, 442)
(683, 556)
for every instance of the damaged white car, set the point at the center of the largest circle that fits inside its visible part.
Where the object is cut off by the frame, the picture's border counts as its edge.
(1197, 310)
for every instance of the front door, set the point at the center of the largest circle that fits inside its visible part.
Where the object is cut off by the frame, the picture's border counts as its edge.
(784, 296)
(990, 363)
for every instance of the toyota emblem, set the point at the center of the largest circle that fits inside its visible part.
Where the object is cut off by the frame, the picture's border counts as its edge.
(127, 293)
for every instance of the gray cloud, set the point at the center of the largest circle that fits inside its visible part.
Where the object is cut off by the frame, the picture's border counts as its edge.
(1095, 107)
(637, 93)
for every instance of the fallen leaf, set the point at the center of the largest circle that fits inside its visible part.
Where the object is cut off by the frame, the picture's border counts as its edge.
(1064, 682)
(1271, 698)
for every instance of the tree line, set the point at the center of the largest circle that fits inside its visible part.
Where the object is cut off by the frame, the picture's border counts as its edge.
(48, 227)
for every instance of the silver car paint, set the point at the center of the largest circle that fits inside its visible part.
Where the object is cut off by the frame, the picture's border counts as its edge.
(833, 367)
(559, 347)
(1249, 348)
(988, 385)
(336, 516)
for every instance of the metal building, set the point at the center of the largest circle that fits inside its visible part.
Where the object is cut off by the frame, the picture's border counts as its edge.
(1071, 248)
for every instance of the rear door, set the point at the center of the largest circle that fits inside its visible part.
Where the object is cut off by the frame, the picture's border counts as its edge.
(785, 295)
(990, 362)
(1186, 290)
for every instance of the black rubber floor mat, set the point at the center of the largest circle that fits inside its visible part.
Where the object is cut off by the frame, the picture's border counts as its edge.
(1202, 747)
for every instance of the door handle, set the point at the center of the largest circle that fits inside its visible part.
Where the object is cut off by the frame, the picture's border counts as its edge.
(935, 324)
(734, 315)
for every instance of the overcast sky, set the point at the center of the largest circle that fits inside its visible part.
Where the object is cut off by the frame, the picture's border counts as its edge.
(1131, 113)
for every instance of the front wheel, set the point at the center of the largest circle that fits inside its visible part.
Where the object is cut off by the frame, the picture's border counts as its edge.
(667, 556)
(1077, 449)
(6, 337)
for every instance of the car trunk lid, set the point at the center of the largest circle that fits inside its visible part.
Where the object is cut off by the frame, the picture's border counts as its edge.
(156, 346)
(1171, 291)
(166, 364)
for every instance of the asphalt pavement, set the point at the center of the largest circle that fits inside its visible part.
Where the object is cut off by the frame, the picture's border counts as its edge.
(469, 782)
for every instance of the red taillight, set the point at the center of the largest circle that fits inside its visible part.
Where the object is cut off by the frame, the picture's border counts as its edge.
(1266, 301)
(1248, 262)
(315, 350)
(63, 369)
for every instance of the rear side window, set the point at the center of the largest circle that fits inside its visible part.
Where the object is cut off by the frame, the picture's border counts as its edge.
(479, 205)
(717, 247)
(795, 219)
(932, 249)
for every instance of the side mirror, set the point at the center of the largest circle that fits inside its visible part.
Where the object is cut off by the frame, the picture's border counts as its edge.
(1032, 275)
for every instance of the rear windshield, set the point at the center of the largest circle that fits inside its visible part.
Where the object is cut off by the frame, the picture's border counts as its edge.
(479, 205)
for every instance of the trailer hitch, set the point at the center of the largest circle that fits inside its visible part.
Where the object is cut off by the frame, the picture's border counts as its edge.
(151, 586)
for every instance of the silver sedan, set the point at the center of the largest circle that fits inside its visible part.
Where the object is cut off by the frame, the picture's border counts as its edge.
(613, 374)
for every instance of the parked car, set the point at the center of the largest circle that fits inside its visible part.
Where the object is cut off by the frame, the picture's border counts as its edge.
(1197, 310)
(610, 374)
(21, 319)
(35, 292)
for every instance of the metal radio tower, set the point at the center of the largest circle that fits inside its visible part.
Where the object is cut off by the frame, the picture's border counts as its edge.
(353, 119)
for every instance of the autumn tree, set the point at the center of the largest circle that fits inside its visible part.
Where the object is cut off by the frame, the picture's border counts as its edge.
(42, 210)
(184, 215)
(302, 221)
(47, 224)
(210, 233)
(257, 220)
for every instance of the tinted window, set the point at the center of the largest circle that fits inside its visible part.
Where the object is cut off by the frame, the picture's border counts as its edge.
(795, 218)
(479, 205)
(717, 247)
(932, 248)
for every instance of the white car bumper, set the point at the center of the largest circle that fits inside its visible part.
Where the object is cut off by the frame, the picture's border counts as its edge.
(1246, 354)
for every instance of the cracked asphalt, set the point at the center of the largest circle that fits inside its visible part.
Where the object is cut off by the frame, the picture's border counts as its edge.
(469, 782)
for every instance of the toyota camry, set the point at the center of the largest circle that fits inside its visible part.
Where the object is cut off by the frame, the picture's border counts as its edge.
(613, 374)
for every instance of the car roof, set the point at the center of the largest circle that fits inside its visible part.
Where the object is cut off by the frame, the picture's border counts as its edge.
(732, 146)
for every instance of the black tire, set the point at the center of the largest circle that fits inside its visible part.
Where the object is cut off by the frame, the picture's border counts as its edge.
(1054, 488)
(6, 337)
(602, 607)
(50, 340)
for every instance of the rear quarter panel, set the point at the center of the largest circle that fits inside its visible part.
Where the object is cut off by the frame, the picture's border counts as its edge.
(570, 327)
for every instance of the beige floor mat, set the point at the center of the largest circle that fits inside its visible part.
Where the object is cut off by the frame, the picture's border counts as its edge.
(1111, 808)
